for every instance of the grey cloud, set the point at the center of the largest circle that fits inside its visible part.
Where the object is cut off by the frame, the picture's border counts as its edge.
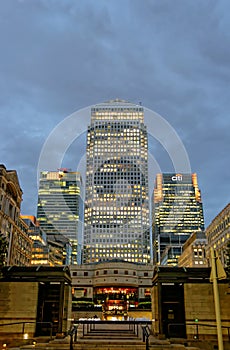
(58, 56)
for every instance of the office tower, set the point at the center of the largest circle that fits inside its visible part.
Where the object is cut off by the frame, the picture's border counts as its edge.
(60, 207)
(177, 213)
(12, 228)
(218, 235)
(116, 203)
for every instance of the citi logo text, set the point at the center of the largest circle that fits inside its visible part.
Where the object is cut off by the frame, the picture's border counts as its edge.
(177, 177)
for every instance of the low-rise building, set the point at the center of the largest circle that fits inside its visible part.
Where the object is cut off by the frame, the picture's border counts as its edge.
(12, 226)
(183, 303)
(34, 301)
(117, 286)
(194, 251)
(218, 234)
(40, 250)
(60, 249)
(53, 250)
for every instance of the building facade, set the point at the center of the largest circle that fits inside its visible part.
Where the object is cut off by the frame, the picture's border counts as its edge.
(183, 304)
(51, 250)
(218, 234)
(116, 198)
(60, 249)
(12, 226)
(40, 250)
(194, 251)
(117, 286)
(60, 207)
(177, 213)
(37, 298)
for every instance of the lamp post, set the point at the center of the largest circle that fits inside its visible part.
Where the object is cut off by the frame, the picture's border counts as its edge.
(217, 272)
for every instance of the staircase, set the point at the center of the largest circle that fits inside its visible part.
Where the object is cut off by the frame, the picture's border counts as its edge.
(105, 337)
(101, 337)
(108, 337)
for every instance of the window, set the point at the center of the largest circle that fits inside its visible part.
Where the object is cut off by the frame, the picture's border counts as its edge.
(115, 272)
(126, 272)
(146, 274)
(105, 272)
(74, 273)
(85, 273)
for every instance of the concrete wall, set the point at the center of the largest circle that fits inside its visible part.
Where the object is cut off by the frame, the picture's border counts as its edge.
(18, 303)
(199, 304)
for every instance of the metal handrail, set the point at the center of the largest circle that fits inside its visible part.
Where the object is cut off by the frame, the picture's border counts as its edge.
(24, 323)
(135, 323)
(145, 335)
(96, 321)
(73, 336)
(197, 324)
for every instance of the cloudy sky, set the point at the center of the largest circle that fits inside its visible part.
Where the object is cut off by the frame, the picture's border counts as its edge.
(61, 56)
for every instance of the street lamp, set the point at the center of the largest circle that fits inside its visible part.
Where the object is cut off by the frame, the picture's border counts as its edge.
(217, 272)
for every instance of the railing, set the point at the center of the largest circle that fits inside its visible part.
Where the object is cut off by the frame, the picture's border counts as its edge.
(90, 325)
(197, 325)
(23, 331)
(145, 336)
(73, 336)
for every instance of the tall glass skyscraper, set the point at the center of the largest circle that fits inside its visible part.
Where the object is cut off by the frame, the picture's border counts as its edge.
(60, 207)
(116, 203)
(177, 213)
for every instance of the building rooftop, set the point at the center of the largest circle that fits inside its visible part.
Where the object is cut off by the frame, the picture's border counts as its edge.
(166, 274)
(36, 273)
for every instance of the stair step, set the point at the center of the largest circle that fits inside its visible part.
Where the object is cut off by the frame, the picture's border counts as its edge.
(106, 336)
(87, 346)
(128, 341)
(91, 347)
(110, 347)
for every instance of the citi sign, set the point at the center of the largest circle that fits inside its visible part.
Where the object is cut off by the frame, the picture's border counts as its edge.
(177, 177)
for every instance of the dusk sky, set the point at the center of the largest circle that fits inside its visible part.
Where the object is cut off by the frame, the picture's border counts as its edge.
(60, 56)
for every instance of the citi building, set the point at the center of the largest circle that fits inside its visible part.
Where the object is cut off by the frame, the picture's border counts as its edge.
(177, 213)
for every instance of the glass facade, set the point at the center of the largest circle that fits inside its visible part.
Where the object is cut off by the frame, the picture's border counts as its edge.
(60, 207)
(177, 213)
(116, 203)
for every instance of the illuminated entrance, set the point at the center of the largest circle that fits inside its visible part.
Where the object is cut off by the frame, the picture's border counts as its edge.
(116, 300)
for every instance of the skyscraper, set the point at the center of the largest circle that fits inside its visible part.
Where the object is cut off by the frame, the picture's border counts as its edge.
(177, 213)
(116, 203)
(60, 207)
